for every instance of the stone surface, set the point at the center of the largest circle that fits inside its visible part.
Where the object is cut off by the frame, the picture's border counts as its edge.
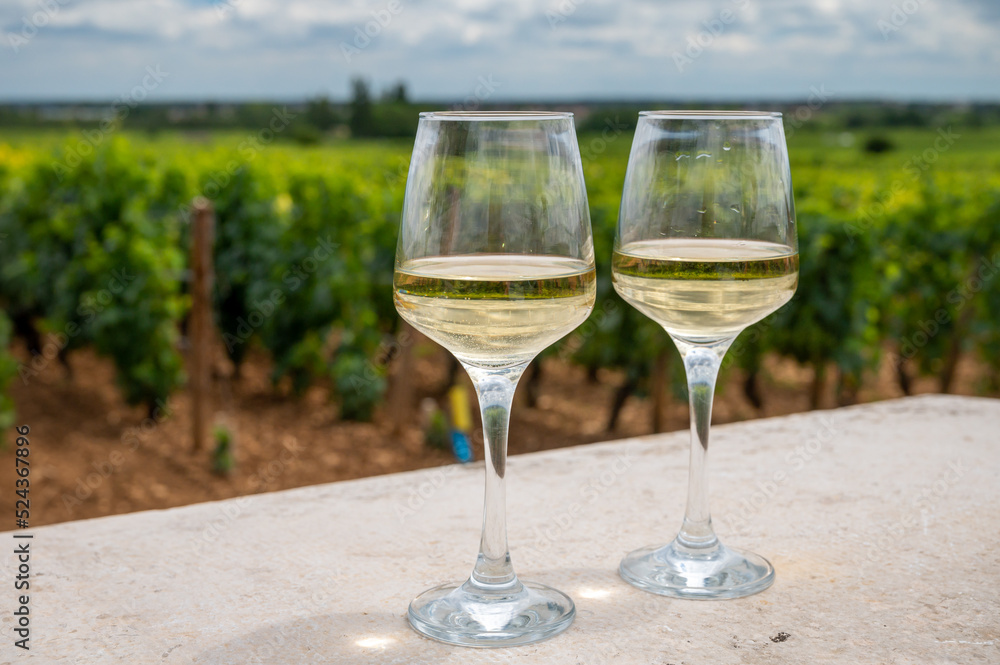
(883, 522)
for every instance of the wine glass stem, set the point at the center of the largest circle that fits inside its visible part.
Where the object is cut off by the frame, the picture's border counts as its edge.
(701, 363)
(495, 388)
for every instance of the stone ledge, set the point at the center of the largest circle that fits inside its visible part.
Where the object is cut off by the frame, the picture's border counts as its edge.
(883, 525)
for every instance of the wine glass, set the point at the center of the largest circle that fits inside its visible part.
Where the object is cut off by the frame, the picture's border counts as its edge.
(705, 247)
(495, 262)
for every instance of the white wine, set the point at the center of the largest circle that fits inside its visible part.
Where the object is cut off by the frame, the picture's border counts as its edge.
(495, 310)
(703, 290)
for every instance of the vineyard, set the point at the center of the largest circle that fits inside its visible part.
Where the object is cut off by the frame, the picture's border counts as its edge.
(900, 250)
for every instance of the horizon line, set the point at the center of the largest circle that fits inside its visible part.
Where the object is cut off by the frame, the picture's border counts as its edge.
(567, 101)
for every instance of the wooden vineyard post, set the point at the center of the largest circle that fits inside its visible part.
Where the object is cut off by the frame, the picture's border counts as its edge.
(660, 381)
(202, 240)
(401, 388)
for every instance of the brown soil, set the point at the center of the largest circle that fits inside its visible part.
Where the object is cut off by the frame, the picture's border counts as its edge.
(93, 455)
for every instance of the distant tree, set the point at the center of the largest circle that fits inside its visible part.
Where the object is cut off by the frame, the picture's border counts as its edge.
(613, 120)
(362, 120)
(396, 94)
(397, 120)
(321, 114)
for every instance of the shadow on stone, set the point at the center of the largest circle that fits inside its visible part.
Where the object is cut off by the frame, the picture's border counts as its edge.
(334, 638)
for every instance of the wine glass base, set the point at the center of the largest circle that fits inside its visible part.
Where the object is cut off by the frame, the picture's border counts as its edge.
(468, 616)
(680, 572)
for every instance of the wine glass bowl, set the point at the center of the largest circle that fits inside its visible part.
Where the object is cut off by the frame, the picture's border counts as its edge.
(495, 262)
(705, 246)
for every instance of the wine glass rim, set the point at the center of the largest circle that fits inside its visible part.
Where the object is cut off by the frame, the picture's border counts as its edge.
(708, 115)
(496, 115)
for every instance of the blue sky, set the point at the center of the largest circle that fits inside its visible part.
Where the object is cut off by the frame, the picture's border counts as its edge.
(549, 49)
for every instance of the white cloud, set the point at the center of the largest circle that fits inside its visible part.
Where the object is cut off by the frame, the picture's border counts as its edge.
(597, 48)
